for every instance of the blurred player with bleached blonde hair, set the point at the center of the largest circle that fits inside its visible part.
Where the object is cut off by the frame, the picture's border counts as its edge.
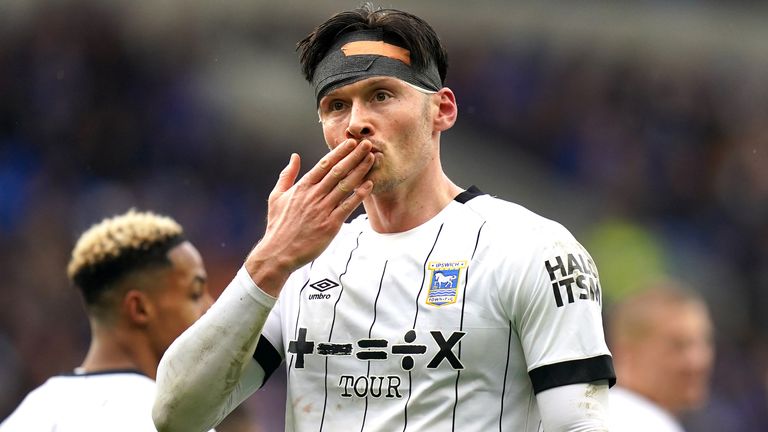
(142, 284)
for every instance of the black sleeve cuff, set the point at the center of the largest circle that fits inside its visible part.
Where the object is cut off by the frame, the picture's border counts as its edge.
(267, 357)
(573, 372)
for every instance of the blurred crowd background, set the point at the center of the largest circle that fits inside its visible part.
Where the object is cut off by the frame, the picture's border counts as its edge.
(641, 126)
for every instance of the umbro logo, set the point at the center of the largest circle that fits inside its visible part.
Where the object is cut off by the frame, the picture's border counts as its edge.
(324, 285)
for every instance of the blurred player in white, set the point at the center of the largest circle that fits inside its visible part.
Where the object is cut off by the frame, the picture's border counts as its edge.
(142, 285)
(661, 339)
(439, 309)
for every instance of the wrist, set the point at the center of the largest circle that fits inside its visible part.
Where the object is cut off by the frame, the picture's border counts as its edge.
(269, 273)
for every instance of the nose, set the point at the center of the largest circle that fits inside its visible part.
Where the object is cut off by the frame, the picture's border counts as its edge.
(702, 357)
(360, 125)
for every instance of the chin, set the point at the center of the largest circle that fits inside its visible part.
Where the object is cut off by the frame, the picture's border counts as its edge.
(693, 399)
(383, 185)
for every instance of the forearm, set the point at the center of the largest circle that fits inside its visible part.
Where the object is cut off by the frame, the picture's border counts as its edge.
(199, 377)
(575, 408)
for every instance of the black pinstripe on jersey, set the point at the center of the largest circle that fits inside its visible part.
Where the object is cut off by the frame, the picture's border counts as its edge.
(461, 324)
(333, 322)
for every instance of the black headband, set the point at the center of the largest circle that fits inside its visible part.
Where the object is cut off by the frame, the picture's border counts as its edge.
(364, 54)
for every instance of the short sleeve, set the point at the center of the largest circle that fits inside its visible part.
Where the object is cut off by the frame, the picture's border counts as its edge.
(558, 314)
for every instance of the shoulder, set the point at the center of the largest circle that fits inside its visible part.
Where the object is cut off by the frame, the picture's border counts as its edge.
(120, 397)
(498, 210)
(630, 411)
(87, 402)
(51, 390)
(518, 225)
(528, 248)
(40, 406)
(122, 387)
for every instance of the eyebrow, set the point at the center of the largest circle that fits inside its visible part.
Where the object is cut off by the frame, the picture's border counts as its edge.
(202, 280)
(373, 81)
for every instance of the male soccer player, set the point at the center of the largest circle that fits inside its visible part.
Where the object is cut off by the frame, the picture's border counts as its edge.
(143, 283)
(438, 309)
(661, 339)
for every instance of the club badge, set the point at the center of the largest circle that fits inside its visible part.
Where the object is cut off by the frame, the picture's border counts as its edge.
(444, 280)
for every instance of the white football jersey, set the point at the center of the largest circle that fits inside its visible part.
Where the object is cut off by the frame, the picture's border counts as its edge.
(453, 325)
(114, 401)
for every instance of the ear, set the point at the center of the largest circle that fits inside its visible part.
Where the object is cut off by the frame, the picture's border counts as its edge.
(137, 308)
(447, 110)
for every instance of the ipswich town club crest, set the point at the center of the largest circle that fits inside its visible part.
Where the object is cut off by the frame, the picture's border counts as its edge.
(444, 281)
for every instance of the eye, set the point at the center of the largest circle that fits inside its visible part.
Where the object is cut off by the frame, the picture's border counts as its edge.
(197, 291)
(381, 96)
(336, 105)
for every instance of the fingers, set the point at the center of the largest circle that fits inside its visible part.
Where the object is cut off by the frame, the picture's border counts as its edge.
(287, 175)
(340, 179)
(348, 205)
(329, 161)
(353, 179)
(337, 182)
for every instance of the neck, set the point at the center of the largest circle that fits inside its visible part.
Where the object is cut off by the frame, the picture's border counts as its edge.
(117, 348)
(408, 206)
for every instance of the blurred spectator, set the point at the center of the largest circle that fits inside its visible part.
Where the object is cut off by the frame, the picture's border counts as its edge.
(661, 341)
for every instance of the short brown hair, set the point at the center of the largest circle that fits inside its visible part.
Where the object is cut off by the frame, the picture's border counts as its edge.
(412, 32)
